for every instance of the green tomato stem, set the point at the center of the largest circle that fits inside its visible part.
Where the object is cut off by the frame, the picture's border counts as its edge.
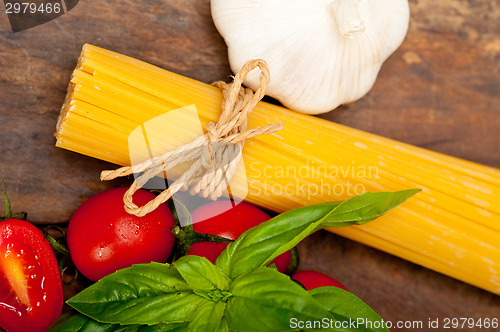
(186, 236)
(8, 208)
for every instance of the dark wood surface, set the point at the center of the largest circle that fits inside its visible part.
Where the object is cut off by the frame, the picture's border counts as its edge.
(440, 90)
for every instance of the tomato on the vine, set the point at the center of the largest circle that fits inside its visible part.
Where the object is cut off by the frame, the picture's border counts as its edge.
(221, 219)
(102, 237)
(313, 279)
(31, 294)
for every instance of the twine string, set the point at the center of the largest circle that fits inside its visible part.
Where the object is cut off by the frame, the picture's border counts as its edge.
(214, 163)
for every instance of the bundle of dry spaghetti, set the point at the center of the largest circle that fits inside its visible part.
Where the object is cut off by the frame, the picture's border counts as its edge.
(452, 226)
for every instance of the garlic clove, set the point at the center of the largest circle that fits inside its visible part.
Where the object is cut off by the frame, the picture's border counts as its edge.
(321, 54)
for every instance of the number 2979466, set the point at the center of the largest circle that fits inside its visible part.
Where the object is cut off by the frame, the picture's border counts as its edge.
(33, 8)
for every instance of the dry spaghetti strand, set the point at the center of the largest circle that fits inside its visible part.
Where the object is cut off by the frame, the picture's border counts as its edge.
(214, 164)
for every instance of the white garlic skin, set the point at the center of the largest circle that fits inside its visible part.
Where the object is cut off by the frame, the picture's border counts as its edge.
(321, 53)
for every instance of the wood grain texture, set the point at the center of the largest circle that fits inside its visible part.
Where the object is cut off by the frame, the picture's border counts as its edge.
(440, 90)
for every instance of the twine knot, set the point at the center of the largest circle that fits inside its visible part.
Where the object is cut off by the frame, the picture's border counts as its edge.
(216, 154)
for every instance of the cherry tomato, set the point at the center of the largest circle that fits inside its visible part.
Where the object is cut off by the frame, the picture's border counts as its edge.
(231, 223)
(313, 279)
(209, 250)
(31, 293)
(102, 237)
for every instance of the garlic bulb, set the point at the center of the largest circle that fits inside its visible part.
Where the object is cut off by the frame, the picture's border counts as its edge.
(321, 53)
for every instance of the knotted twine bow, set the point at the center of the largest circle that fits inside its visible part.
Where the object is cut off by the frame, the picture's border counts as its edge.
(215, 164)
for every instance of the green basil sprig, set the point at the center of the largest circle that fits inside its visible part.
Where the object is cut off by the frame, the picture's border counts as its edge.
(238, 293)
(74, 321)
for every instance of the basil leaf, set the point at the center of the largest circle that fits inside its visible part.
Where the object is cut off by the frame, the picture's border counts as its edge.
(201, 274)
(267, 300)
(76, 322)
(366, 207)
(208, 317)
(141, 294)
(260, 245)
(223, 327)
(358, 315)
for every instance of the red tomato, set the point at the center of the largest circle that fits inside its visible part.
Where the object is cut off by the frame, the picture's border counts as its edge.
(231, 223)
(209, 250)
(31, 294)
(103, 237)
(313, 279)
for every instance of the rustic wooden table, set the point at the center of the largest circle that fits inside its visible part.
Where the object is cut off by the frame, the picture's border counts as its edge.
(440, 90)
